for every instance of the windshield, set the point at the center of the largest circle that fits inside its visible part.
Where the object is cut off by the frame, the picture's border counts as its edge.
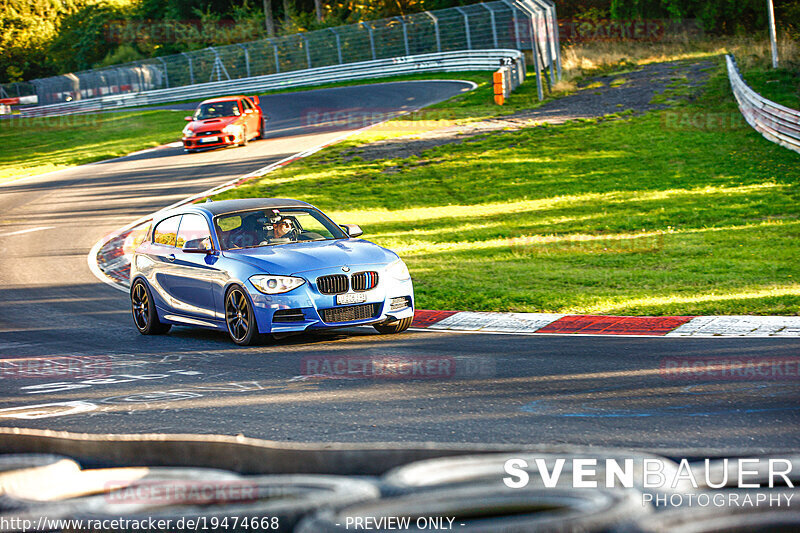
(267, 227)
(229, 108)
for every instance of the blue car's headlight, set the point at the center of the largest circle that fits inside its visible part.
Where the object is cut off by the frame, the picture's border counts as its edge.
(398, 270)
(275, 284)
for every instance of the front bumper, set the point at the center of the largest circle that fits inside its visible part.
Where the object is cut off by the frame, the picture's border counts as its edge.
(196, 142)
(305, 306)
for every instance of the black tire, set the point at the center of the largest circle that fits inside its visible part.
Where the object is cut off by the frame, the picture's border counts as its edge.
(263, 129)
(494, 507)
(240, 318)
(717, 519)
(277, 502)
(394, 327)
(27, 473)
(143, 310)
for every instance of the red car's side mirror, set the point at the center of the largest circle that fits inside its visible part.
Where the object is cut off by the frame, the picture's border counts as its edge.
(188, 119)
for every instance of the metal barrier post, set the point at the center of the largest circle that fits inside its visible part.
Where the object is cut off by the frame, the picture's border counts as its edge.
(543, 17)
(556, 35)
(516, 22)
(338, 44)
(534, 51)
(191, 70)
(436, 28)
(308, 49)
(166, 75)
(246, 58)
(219, 68)
(405, 34)
(371, 39)
(494, 24)
(466, 26)
(277, 61)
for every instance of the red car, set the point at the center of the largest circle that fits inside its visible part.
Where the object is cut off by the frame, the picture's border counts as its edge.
(223, 122)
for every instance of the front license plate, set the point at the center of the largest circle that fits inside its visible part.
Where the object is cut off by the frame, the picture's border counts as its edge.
(351, 298)
(209, 140)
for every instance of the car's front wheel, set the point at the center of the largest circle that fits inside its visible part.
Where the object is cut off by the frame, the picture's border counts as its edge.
(394, 327)
(263, 129)
(144, 312)
(240, 318)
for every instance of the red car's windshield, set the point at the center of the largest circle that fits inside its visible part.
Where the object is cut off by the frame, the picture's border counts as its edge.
(217, 110)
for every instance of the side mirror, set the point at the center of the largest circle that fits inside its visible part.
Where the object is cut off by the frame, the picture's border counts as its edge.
(197, 246)
(188, 119)
(352, 230)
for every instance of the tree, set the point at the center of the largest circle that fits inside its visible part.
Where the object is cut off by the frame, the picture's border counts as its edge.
(269, 22)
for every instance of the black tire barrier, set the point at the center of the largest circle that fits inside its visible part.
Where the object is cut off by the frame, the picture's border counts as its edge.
(489, 508)
(242, 455)
(93, 490)
(716, 521)
(28, 473)
(489, 468)
(281, 500)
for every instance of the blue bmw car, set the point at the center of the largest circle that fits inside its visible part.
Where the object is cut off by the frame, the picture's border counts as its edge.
(256, 267)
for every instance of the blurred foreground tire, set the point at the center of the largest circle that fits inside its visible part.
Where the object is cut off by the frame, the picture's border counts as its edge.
(105, 490)
(488, 509)
(487, 469)
(26, 473)
(266, 503)
(717, 521)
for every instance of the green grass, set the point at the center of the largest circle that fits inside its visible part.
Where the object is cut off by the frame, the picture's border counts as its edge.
(647, 215)
(30, 146)
(780, 85)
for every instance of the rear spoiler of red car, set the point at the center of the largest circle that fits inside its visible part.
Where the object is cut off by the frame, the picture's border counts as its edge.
(254, 99)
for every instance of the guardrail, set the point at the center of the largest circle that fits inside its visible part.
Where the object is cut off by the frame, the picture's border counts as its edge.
(775, 122)
(518, 24)
(440, 62)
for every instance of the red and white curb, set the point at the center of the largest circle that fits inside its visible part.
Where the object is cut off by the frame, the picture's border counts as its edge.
(629, 326)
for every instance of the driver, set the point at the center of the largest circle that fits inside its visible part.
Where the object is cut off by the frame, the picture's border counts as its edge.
(283, 228)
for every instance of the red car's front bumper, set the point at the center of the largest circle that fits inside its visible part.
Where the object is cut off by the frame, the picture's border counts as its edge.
(195, 142)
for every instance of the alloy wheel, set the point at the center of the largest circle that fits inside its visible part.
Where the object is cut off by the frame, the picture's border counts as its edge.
(141, 306)
(237, 314)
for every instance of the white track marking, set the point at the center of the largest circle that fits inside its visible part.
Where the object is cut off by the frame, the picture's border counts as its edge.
(22, 231)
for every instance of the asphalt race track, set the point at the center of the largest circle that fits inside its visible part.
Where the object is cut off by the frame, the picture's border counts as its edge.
(475, 388)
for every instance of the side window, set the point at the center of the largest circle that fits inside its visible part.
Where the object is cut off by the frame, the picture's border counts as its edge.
(246, 103)
(193, 227)
(167, 231)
